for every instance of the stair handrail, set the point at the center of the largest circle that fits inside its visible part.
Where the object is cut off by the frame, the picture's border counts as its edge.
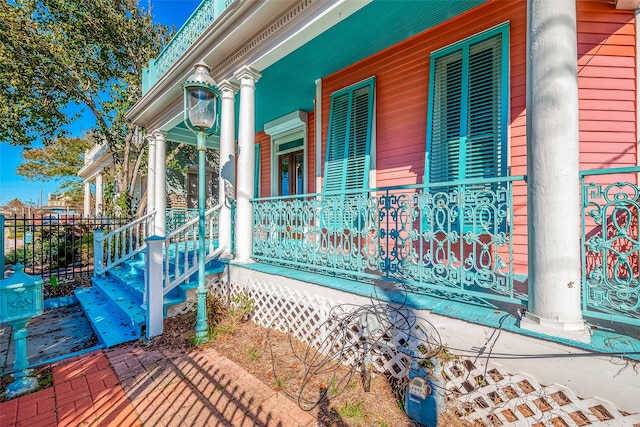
(183, 240)
(121, 244)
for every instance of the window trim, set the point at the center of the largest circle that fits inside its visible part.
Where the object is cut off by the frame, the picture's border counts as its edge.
(285, 129)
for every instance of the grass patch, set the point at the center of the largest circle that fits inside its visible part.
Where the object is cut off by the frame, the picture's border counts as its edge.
(353, 411)
(253, 354)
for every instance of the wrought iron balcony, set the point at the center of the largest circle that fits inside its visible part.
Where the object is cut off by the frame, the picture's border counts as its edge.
(611, 244)
(457, 239)
(451, 238)
(204, 15)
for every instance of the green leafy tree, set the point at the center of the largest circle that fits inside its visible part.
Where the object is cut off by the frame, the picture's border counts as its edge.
(62, 55)
(60, 160)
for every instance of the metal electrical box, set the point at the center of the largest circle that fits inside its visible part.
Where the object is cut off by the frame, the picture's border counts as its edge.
(420, 402)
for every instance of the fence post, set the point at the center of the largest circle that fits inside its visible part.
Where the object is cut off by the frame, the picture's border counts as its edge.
(154, 286)
(1, 247)
(98, 252)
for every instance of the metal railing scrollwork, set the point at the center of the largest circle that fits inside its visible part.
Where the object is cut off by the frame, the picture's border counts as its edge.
(450, 237)
(611, 244)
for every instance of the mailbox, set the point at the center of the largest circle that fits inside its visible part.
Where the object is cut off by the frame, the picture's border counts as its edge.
(20, 296)
(20, 300)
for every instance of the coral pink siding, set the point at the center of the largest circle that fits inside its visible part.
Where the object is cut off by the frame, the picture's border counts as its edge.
(607, 82)
(265, 164)
(311, 153)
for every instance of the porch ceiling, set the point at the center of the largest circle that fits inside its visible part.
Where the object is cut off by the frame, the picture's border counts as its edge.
(289, 84)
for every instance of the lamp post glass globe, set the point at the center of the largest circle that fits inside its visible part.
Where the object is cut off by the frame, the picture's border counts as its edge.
(201, 107)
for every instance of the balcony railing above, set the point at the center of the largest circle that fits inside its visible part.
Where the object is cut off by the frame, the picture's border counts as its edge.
(204, 15)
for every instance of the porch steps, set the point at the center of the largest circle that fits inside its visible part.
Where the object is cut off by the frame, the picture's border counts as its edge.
(114, 304)
(107, 321)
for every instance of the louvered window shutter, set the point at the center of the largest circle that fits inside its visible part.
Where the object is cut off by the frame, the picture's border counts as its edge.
(466, 135)
(349, 138)
(446, 135)
(484, 148)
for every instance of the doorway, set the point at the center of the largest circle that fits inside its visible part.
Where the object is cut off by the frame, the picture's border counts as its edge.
(291, 173)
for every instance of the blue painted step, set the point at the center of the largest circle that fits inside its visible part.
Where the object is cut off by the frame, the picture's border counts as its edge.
(125, 298)
(110, 325)
(114, 303)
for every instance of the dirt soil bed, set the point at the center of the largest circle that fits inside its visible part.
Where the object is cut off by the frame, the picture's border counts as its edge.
(279, 361)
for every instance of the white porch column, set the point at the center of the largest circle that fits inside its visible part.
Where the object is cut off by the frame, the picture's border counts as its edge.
(246, 163)
(87, 199)
(99, 194)
(151, 174)
(160, 192)
(552, 168)
(227, 174)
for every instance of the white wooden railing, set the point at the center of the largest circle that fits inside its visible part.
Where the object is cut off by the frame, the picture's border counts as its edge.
(181, 249)
(172, 260)
(112, 249)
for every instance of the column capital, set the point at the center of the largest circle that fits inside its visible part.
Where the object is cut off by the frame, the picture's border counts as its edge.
(247, 73)
(158, 134)
(95, 176)
(150, 138)
(227, 87)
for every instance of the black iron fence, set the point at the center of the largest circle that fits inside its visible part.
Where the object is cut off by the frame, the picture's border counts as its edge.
(56, 247)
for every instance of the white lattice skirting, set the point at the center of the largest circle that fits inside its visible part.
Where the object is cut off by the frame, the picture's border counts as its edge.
(483, 393)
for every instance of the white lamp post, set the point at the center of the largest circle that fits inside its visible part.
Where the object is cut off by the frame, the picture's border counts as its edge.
(201, 116)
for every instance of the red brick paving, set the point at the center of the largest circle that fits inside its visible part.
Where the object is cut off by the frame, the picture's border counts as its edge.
(129, 386)
(85, 392)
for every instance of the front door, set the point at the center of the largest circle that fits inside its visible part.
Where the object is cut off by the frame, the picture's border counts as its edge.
(291, 173)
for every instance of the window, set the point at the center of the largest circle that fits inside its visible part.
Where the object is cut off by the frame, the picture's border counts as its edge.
(288, 147)
(191, 187)
(349, 138)
(467, 126)
(468, 106)
(289, 159)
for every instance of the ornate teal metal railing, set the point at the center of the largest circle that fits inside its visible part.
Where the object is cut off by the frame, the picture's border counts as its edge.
(446, 238)
(177, 217)
(198, 22)
(611, 245)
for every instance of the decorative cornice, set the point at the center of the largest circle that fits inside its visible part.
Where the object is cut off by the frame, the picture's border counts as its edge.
(262, 36)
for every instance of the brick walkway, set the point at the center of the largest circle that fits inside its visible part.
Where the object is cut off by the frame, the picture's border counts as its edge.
(128, 386)
(85, 392)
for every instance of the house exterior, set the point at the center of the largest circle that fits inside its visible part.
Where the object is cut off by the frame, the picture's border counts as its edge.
(463, 153)
(96, 161)
(180, 187)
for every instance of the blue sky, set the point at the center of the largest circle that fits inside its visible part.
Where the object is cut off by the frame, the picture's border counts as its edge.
(167, 12)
